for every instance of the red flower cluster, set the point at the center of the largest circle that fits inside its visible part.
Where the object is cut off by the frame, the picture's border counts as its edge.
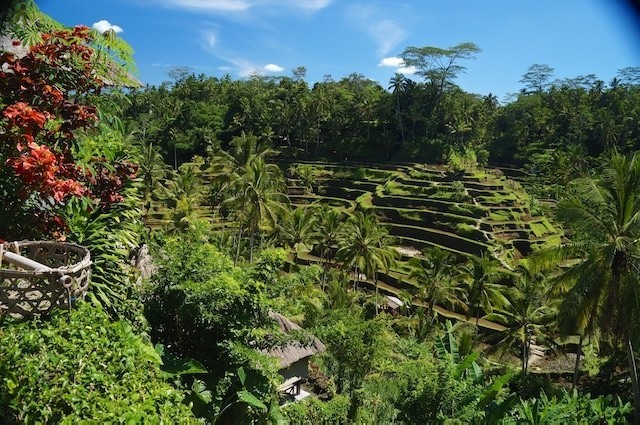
(40, 121)
(40, 169)
(28, 119)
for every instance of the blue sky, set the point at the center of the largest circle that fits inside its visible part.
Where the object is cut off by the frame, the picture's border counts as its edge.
(339, 37)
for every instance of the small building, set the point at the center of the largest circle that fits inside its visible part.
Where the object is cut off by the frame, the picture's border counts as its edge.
(293, 357)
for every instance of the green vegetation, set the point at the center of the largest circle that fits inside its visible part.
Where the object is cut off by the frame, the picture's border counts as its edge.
(80, 366)
(432, 291)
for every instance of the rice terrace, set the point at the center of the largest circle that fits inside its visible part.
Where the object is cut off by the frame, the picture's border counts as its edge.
(223, 212)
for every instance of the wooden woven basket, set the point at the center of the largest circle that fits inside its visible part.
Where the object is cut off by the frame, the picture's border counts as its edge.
(63, 280)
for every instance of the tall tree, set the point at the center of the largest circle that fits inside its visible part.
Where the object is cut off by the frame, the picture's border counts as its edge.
(152, 170)
(398, 85)
(435, 283)
(296, 229)
(328, 223)
(536, 79)
(259, 193)
(524, 315)
(483, 292)
(601, 291)
(439, 66)
(363, 246)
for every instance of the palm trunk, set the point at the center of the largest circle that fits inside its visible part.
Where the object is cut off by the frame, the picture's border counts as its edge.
(576, 369)
(375, 280)
(324, 266)
(525, 356)
(634, 382)
(235, 261)
(477, 323)
(357, 279)
(400, 119)
(251, 241)
(432, 314)
(147, 208)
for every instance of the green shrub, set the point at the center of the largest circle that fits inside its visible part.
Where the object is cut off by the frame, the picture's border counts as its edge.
(198, 299)
(468, 210)
(313, 411)
(571, 408)
(79, 366)
(461, 161)
(483, 157)
(467, 230)
(459, 193)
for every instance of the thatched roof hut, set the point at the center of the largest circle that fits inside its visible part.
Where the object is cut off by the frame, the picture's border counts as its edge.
(295, 350)
(293, 357)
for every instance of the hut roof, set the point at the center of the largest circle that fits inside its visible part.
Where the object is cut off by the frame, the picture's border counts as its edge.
(295, 350)
(394, 302)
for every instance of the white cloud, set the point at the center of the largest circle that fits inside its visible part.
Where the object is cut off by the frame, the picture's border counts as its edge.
(398, 63)
(244, 5)
(310, 4)
(387, 34)
(407, 70)
(243, 67)
(273, 68)
(392, 61)
(211, 5)
(104, 25)
(211, 38)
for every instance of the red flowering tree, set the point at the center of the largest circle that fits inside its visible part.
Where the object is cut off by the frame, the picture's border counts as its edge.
(45, 102)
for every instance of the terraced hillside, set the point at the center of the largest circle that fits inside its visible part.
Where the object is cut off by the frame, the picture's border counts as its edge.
(422, 205)
(465, 213)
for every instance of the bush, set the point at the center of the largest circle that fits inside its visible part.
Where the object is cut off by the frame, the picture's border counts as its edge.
(198, 299)
(79, 366)
(314, 411)
(461, 161)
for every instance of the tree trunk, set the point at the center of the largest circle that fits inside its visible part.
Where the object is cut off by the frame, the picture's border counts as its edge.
(634, 383)
(251, 241)
(375, 280)
(477, 323)
(525, 357)
(235, 261)
(576, 369)
(357, 280)
(400, 119)
(324, 266)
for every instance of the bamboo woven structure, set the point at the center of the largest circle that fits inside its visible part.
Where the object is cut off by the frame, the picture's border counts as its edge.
(42, 276)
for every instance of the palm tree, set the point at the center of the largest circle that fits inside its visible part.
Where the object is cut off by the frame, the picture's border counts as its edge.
(225, 166)
(434, 281)
(152, 170)
(483, 293)
(246, 184)
(525, 314)
(398, 85)
(601, 291)
(258, 192)
(363, 245)
(183, 194)
(328, 222)
(297, 228)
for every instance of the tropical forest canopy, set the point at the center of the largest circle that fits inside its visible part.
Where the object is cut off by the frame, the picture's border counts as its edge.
(438, 256)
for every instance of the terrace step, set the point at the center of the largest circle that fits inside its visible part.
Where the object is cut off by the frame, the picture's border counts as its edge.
(446, 239)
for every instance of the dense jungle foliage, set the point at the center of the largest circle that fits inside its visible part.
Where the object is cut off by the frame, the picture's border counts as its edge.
(426, 286)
